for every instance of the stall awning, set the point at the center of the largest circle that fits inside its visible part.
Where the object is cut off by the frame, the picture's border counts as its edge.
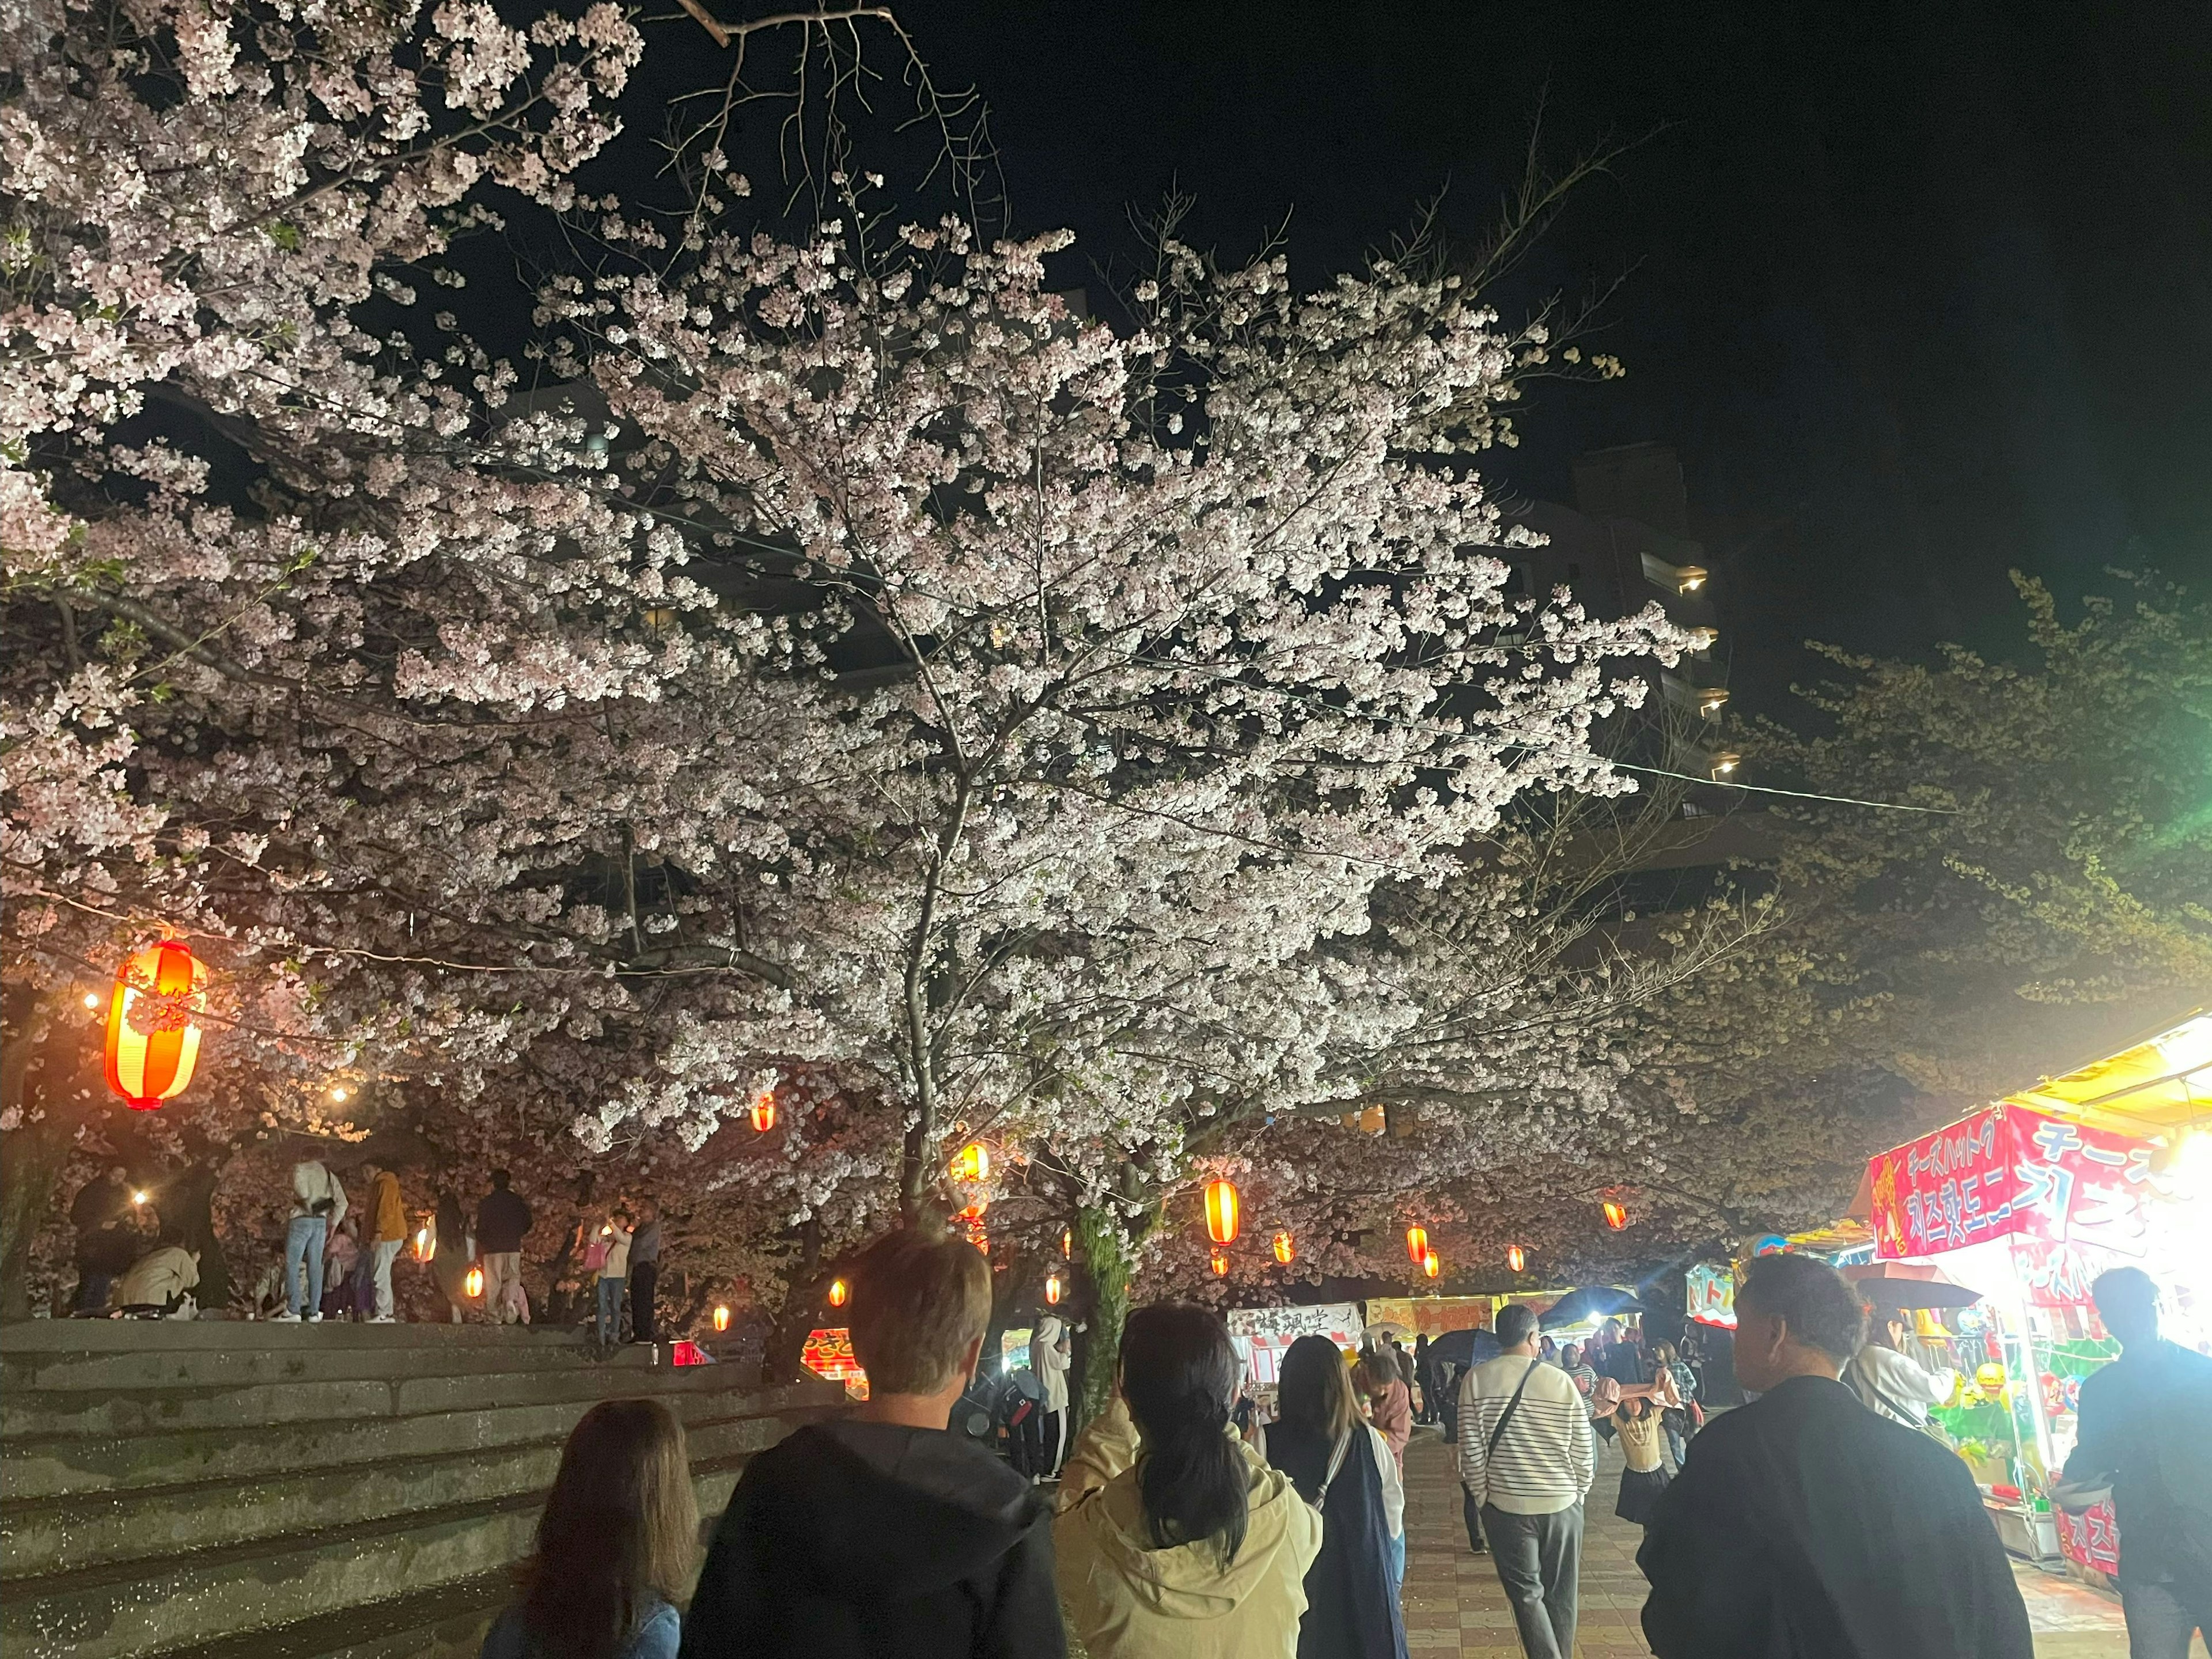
(2163, 1083)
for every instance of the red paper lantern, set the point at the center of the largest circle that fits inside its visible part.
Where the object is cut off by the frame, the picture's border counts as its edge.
(838, 1292)
(1431, 1263)
(1219, 1262)
(1284, 1248)
(1516, 1257)
(1221, 1211)
(147, 1068)
(763, 1112)
(1417, 1243)
(1616, 1214)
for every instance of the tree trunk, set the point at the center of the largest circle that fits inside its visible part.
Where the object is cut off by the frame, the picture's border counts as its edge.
(44, 1075)
(1106, 1258)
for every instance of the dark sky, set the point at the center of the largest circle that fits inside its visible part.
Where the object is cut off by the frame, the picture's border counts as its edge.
(1920, 292)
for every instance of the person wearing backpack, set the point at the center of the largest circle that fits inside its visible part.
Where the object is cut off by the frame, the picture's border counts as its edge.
(1526, 1459)
(1344, 1467)
(319, 1204)
(1183, 1543)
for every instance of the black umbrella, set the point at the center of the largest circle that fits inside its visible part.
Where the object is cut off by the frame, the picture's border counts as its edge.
(1596, 1302)
(1903, 1284)
(1464, 1349)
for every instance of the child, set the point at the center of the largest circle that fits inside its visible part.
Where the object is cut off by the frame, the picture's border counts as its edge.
(1637, 1422)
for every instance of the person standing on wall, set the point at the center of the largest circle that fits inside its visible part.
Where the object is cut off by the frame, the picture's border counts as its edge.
(319, 1204)
(387, 1232)
(103, 1246)
(645, 1272)
(1049, 1354)
(502, 1219)
(1526, 1458)
(2143, 1430)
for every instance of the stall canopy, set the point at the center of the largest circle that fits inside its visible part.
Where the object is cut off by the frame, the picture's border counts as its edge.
(2161, 1084)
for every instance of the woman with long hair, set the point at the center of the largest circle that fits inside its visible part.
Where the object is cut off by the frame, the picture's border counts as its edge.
(1342, 1466)
(1185, 1545)
(617, 1546)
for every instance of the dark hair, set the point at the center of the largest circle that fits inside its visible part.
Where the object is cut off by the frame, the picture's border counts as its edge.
(1313, 1390)
(1179, 1375)
(2128, 1296)
(918, 1303)
(1811, 1298)
(1514, 1320)
(500, 1178)
(620, 1531)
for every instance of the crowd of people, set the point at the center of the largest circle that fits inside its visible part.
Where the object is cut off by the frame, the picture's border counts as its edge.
(338, 1256)
(1803, 1522)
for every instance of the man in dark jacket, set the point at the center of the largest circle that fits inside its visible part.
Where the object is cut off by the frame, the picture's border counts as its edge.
(105, 1248)
(2142, 1430)
(883, 1535)
(1805, 1527)
(502, 1218)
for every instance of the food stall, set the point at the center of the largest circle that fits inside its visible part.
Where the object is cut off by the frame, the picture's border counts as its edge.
(2027, 1202)
(1264, 1334)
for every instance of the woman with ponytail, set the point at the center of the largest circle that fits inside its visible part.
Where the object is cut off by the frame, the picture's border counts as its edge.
(1175, 1539)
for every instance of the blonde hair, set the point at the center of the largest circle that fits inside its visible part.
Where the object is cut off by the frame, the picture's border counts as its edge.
(918, 1303)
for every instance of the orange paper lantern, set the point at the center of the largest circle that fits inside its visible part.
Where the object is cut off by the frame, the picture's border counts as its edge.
(1052, 1289)
(426, 1247)
(1284, 1248)
(147, 1067)
(1616, 1214)
(1219, 1262)
(1417, 1243)
(972, 1162)
(763, 1112)
(1516, 1257)
(722, 1316)
(838, 1292)
(1431, 1263)
(475, 1282)
(1067, 1242)
(1221, 1211)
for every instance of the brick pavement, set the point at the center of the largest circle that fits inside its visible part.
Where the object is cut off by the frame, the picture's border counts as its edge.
(1454, 1606)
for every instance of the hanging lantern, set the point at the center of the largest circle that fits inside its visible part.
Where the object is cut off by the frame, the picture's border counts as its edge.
(972, 1162)
(973, 1213)
(1616, 1214)
(838, 1292)
(1516, 1257)
(1221, 1211)
(722, 1316)
(147, 1068)
(1417, 1243)
(763, 1112)
(1284, 1248)
(1052, 1289)
(1219, 1262)
(475, 1283)
(1068, 1242)
(426, 1244)
(1431, 1263)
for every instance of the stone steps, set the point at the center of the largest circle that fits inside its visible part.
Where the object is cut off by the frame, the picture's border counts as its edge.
(229, 1491)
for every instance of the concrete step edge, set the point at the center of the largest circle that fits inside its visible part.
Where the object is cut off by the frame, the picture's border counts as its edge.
(445, 1621)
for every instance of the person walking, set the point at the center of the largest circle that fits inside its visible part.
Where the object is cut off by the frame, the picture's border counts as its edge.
(2161, 1480)
(882, 1534)
(1050, 1353)
(1345, 1469)
(645, 1273)
(1810, 1526)
(502, 1220)
(1174, 1540)
(387, 1232)
(1644, 1476)
(98, 1213)
(1425, 1381)
(1527, 1460)
(1889, 1380)
(615, 1544)
(609, 1258)
(319, 1204)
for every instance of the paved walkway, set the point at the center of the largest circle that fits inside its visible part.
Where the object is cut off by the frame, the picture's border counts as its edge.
(1454, 1606)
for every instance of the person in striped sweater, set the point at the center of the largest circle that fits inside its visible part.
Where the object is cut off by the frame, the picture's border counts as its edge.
(1526, 1458)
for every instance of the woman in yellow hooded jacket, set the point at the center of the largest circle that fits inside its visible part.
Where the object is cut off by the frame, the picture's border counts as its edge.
(1174, 1541)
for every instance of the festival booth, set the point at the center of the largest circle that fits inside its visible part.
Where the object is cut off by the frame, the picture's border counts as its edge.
(1430, 1315)
(1712, 1296)
(2025, 1203)
(1262, 1334)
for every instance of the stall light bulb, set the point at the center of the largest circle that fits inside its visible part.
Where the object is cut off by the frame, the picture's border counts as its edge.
(338, 1094)
(90, 1001)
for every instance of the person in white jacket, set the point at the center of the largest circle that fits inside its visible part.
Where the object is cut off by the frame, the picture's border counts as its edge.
(1889, 1380)
(318, 1204)
(1049, 1353)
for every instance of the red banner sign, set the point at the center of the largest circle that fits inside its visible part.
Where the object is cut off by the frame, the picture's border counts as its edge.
(2092, 1538)
(2010, 1172)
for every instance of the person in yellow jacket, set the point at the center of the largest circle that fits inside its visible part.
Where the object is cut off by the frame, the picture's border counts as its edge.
(387, 1232)
(1173, 1540)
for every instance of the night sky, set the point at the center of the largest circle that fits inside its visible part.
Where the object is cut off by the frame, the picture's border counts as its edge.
(1920, 293)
